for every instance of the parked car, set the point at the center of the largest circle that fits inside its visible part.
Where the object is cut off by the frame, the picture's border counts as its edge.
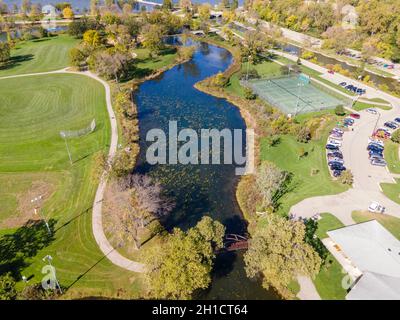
(376, 157)
(375, 153)
(372, 111)
(337, 173)
(397, 120)
(390, 125)
(331, 147)
(375, 207)
(343, 84)
(335, 160)
(337, 167)
(335, 142)
(336, 154)
(374, 148)
(377, 145)
(336, 136)
(378, 162)
(338, 130)
(376, 141)
(355, 115)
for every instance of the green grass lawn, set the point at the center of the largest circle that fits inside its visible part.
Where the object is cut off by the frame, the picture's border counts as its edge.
(329, 280)
(304, 184)
(392, 156)
(34, 110)
(392, 224)
(41, 55)
(392, 190)
(147, 64)
(327, 223)
(358, 106)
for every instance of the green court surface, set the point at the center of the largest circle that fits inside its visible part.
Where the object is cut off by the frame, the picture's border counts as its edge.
(292, 95)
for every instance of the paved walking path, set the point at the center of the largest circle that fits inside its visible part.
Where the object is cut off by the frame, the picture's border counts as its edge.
(97, 222)
(307, 289)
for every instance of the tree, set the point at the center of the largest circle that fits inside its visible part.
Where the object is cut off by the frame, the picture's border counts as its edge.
(185, 5)
(255, 42)
(270, 182)
(91, 38)
(249, 94)
(25, 6)
(93, 7)
(35, 11)
(4, 52)
(312, 239)
(167, 4)
(346, 177)
(68, 13)
(184, 262)
(76, 57)
(185, 53)
(204, 11)
(340, 111)
(111, 65)
(278, 254)
(7, 287)
(152, 35)
(395, 135)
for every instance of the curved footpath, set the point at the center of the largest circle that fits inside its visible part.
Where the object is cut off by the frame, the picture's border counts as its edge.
(97, 222)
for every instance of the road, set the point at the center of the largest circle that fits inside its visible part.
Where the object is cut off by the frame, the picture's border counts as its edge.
(97, 222)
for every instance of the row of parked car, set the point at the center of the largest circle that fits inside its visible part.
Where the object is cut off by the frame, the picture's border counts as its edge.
(352, 88)
(376, 145)
(334, 155)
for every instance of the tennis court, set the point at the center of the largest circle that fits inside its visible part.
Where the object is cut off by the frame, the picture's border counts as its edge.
(294, 94)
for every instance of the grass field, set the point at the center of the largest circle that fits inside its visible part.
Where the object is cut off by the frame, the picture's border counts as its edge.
(41, 55)
(392, 190)
(304, 184)
(33, 159)
(329, 280)
(358, 106)
(392, 156)
(391, 223)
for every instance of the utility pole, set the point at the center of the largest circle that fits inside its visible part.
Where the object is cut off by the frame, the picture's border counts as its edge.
(37, 211)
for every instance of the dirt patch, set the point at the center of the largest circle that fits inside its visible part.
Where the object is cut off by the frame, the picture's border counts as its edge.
(25, 208)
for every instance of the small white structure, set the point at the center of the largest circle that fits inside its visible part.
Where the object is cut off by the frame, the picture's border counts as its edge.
(350, 17)
(49, 11)
(375, 252)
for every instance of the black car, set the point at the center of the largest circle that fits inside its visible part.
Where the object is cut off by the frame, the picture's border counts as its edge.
(343, 84)
(331, 147)
(335, 154)
(333, 162)
(390, 125)
(337, 167)
(337, 173)
(375, 154)
(397, 120)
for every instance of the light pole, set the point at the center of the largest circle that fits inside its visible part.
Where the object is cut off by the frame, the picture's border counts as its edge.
(299, 85)
(49, 258)
(63, 135)
(377, 120)
(37, 211)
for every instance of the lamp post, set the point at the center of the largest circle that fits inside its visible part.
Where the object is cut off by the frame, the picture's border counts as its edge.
(38, 200)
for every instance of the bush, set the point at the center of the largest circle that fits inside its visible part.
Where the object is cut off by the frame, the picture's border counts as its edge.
(252, 74)
(249, 94)
(346, 177)
(303, 134)
(339, 111)
(396, 136)
(76, 57)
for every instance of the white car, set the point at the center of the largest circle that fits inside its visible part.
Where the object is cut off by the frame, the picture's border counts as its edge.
(372, 110)
(376, 141)
(335, 142)
(335, 137)
(375, 207)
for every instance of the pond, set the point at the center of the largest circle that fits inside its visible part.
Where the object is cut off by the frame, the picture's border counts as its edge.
(198, 190)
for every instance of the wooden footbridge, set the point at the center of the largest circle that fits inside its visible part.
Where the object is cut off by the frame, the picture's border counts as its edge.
(234, 242)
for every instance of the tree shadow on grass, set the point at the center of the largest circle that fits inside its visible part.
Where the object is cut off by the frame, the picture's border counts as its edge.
(16, 61)
(16, 248)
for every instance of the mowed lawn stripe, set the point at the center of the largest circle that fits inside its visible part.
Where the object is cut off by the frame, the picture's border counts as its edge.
(41, 55)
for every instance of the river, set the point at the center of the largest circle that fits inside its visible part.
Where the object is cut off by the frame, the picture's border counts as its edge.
(198, 190)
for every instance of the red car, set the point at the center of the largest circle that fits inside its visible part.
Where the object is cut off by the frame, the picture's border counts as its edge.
(331, 71)
(355, 116)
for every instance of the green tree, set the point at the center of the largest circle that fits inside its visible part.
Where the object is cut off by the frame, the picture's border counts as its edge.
(167, 4)
(4, 52)
(346, 177)
(339, 110)
(76, 57)
(152, 35)
(92, 38)
(278, 254)
(184, 262)
(395, 135)
(7, 287)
